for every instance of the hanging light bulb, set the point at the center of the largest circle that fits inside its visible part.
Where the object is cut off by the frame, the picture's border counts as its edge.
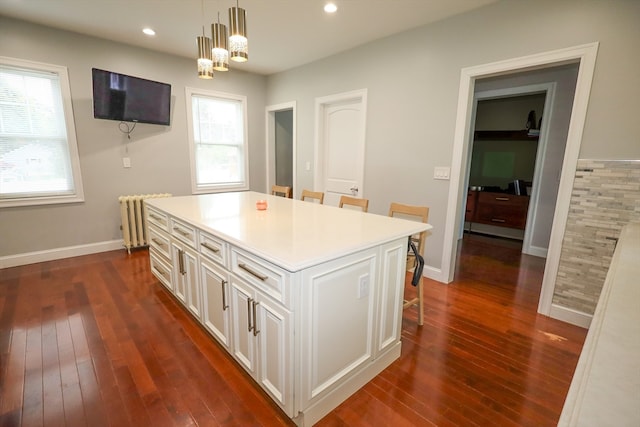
(205, 64)
(219, 52)
(238, 44)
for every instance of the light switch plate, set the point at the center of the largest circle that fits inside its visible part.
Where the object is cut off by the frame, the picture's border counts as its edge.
(441, 172)
(126, 162)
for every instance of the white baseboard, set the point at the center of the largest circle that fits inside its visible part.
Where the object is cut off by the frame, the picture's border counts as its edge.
(537, 251)
(569, 315)
(434, 274)
(59, 253)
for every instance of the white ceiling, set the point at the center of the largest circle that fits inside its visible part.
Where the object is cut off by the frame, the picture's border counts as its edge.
(282, 34)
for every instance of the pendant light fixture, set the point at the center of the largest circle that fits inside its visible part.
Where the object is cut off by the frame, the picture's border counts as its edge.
(205, 64)
(219, 51)
(238, 44)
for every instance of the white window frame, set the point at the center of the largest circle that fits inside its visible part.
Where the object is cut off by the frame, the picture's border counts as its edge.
(72, 143)
(214, 188)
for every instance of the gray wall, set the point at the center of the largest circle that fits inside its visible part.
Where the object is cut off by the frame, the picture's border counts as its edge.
(412, 101)
(159, 155)
(284, 148)
(412, 98)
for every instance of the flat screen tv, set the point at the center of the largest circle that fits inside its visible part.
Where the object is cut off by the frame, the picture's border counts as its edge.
(130, 99)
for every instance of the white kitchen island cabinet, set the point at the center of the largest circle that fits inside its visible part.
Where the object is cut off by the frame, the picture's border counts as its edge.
(307, 298)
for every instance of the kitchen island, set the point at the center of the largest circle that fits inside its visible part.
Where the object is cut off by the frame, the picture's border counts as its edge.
(307, 298)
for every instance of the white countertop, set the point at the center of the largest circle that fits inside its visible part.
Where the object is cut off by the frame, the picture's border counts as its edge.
(605, 390)
(290, 233)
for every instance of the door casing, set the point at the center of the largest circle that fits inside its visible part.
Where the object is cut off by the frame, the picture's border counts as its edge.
(270, 133)
(586, 56)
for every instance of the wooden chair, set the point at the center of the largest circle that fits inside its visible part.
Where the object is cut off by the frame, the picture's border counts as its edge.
(352, 201)
(312, 195)
(415, 213)
(281, 190)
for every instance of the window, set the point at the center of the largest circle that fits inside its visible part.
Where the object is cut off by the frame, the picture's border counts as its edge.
(38, 152)
(217, 141)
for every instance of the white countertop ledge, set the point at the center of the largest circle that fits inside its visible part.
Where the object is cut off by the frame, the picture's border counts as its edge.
(605, 390)
(290, 233)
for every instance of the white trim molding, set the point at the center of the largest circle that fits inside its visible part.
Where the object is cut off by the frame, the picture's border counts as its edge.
(60, 253)
(585, 55)
(569, 315)
(270, 143)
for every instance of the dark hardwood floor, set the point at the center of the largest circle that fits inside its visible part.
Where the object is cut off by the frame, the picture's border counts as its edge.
(96, 341)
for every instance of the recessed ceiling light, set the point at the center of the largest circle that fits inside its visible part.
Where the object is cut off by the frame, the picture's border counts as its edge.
(330, 7)
(149, 31)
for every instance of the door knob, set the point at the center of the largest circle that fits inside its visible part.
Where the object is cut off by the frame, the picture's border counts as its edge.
(354, 190)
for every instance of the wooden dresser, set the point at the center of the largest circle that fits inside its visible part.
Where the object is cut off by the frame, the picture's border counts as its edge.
(499, 209)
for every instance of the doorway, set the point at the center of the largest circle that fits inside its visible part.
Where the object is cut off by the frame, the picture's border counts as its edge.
(585, 56)
(509, 155)
(281, 145)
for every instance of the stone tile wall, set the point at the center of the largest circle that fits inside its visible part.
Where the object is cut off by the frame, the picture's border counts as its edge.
(605, 197)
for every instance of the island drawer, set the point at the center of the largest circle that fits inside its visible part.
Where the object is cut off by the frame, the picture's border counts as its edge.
(159, 241)
(265, 276)
(157, 218)
(160, 268)
(184, 232)
(213, 248)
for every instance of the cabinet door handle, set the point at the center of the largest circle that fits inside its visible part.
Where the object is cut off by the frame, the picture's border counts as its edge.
(211, 248)
(497, 220)
(249, 301)
(252, 272)
(224, 295)
(502, 199)
(255, 319)
(181, 262)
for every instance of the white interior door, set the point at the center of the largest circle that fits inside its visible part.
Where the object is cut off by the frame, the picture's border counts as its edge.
(340, 146)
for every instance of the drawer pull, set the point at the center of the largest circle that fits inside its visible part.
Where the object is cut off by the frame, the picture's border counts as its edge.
(161, 272)
(255, 327)
(497, 220)
(502, 199)
(181, 231)
(211, 248)
(156, 217)
(252, 272)
(224, 295)
(158, 242)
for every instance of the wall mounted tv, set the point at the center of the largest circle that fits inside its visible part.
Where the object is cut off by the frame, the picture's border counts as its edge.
(130, 99)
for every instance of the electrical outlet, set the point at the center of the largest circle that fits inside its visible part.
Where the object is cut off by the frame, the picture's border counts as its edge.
(363, 286)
